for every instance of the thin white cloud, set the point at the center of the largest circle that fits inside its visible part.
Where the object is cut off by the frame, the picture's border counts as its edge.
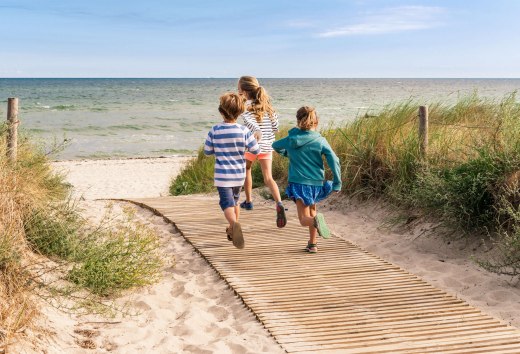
(396, 19)
(300, 24)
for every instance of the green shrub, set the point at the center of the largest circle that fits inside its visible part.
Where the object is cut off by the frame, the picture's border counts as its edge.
(195, 177)
(120, 257)
(55, 231)
(465, 193)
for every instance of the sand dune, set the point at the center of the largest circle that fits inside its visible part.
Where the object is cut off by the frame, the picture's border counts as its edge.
(191, 310)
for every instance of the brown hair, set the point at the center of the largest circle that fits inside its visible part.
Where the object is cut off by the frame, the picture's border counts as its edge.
(231, 106)
(307, 118)
(260, 100)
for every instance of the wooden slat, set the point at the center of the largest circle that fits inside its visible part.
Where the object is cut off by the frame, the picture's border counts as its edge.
(343, 299)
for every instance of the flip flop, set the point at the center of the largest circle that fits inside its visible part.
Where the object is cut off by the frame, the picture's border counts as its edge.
(321, 225)
(237, 236)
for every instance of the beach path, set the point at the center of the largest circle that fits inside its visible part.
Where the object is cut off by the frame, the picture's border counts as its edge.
(341, 299)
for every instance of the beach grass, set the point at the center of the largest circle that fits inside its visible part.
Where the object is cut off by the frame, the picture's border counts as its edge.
(38, 220)
(468, 179)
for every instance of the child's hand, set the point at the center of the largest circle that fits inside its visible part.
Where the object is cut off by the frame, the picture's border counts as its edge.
(258, 135)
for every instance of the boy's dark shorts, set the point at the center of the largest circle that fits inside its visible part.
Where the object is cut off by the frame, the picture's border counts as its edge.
(228, 196)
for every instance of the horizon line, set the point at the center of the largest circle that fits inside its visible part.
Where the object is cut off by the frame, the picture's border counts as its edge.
(266, 77)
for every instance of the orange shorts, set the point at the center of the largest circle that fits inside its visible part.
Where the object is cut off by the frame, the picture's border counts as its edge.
(261, 156)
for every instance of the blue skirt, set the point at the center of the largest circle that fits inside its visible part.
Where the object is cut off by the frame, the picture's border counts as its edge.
(310, 195)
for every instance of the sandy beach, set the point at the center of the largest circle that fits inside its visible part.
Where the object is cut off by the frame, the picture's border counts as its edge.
(192, 310)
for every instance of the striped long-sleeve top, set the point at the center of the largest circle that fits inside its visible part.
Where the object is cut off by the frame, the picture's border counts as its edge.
(228, 142)
(267, 127)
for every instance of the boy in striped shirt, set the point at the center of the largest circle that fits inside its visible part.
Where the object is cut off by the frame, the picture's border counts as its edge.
(228, 141)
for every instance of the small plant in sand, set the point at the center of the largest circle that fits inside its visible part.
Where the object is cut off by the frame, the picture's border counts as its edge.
(117, 258)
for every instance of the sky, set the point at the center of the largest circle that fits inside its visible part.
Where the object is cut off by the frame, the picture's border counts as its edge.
(271, 38)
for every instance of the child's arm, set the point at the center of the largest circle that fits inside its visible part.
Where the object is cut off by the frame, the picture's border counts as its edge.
(208, 145)
(251, 124)
(252, 144)
(279, 147)
(333, 162)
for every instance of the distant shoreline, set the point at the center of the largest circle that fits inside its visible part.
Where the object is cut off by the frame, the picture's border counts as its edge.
(122, 158)
(266, 78)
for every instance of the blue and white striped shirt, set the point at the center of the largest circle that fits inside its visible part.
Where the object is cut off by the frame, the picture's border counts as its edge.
(228, 142)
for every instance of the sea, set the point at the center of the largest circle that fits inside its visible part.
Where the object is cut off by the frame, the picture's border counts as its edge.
(128, 118)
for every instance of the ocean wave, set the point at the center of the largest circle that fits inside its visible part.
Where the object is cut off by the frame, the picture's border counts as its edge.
(83, 129)
(64, 107)
(40, 105)
(129, 127)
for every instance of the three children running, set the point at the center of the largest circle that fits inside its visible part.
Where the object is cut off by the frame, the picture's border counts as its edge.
(236, 147)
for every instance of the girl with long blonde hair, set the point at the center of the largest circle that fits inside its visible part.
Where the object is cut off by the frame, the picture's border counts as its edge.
(262, 120)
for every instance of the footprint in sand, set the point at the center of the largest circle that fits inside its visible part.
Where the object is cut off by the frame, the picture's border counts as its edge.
(181, 331)
(219, 332)
(141, 305)
(198, 270)
(85, 340)
(500, 295)
(237, 348)
(87, 333)
(472, 280)
(108, 345)
(451, 283)
(211, 293)
(201, 280)
(178, 289)
(195, 349)
(220, 313)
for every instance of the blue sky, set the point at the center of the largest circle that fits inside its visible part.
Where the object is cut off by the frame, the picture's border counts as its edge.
(274, 38)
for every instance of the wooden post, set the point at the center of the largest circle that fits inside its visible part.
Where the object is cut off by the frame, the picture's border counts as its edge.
(423, 130)
(12, 133)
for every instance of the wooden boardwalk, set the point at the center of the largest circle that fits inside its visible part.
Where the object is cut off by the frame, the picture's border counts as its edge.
(342, 299)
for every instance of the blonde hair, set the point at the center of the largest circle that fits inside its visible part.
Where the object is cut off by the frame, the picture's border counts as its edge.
(231, 106)
(307, 118)
(260, 100)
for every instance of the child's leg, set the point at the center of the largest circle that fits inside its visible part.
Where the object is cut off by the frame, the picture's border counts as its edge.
(306, 217)
(237, 213)
(314, 232)
(267, 168)
(248, 184)
(266, 165)
(228, 202)
(231, 215)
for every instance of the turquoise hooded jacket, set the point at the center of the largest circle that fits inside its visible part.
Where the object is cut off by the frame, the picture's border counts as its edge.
(305, 148)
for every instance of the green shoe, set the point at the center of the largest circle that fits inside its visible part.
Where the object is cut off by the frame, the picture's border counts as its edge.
(321, 225)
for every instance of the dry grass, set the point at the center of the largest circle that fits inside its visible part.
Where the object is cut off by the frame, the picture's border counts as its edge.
(37, 221)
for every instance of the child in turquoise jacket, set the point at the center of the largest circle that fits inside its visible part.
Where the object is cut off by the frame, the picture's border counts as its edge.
(304, 147)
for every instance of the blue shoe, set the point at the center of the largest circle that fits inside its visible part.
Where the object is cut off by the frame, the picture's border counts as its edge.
(246, 205)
